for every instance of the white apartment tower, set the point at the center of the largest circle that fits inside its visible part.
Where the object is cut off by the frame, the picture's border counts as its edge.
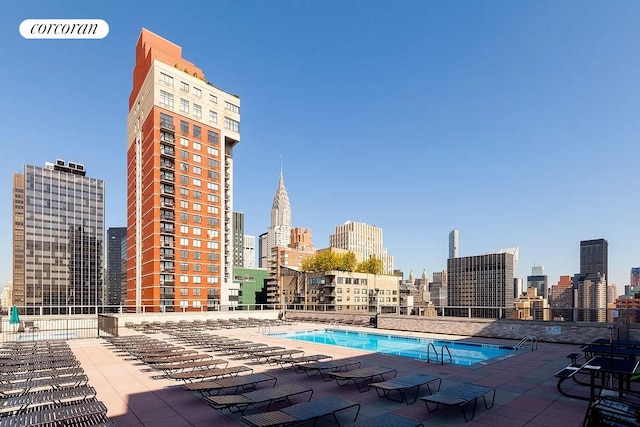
(249, 260)
(453, 243)
(279, 232)
(364, 239)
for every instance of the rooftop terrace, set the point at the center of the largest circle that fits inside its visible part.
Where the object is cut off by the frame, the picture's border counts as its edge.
(526, 393)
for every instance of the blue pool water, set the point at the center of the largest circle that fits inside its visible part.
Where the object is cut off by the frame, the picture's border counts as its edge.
(462, 353)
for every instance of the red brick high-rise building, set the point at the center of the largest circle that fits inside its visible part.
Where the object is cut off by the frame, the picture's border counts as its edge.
(181, 131)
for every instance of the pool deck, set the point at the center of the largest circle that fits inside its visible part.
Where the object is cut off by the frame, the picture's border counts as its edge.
(526, 393)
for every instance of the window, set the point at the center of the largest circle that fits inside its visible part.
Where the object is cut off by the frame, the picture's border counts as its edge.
(213, 221)
(197, 279)
(196, 293)
(197, 92)
(184, 229)
(184, 279)
(184, 292)
(184, 216)
(212, 245)
(197, 207)
(212, 210)
(197, 170)
(197, 146)
(184, 266)
(197, 158)
(184, 254)
(212, 256)
(213, 116)
(213, 174)
(212, 137)
(213, 234)
(184, 179)
(197, 255)
(197, 219)
(185, 168)
(197, 231)
(212, 186)
(213, 98)
(213, 198)
(184, 86)
(197, 131)
(184, 127)
(184, 105)
(197, 110)
(184, 192)
(197, 195)
(184, 141)
(213, 163)
(184, 242)
(197, 182)
(166, 99)
(197, 243)
(231, 124)
(184, 204)
(231, 107)
(166, 120)
(166, 79)
(184, 154)
(213, 151)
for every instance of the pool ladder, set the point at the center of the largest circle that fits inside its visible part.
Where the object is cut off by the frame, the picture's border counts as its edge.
(529, 338)
(442, 349)
(265, 329)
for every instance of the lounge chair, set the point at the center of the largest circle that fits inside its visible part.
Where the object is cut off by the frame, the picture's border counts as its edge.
(309, 411)
(608, 410)
(325, 367)
(279, 354)
(202, 374)
(74, 414)
(388, 419)
(18, 404)
(288, 362)
(240, 402)
(211, 388)
(362, 376)
(402, 385)
(461, 395)
(191, 366)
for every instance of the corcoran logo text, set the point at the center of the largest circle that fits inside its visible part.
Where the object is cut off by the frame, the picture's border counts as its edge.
(64, 29)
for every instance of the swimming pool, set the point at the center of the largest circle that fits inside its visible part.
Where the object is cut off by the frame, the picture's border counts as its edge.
(462, 353)
(46, 336)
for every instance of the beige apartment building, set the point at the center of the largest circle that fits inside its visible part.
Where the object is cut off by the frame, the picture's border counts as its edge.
(342, 291)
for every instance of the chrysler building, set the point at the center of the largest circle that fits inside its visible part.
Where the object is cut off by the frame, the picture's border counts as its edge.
(279, 232)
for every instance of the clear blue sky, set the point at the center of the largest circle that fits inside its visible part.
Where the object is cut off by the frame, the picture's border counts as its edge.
(516, 122)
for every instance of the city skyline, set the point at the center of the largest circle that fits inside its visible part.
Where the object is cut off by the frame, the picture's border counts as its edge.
(493, 119)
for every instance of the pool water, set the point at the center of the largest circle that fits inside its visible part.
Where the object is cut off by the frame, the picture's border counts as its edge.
(462, 353)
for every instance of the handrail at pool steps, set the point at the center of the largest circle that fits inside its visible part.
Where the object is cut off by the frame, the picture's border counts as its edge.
(532, 338)
(435, 351)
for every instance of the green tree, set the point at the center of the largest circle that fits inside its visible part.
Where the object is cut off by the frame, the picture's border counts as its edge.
(372, 266)
(347, 262)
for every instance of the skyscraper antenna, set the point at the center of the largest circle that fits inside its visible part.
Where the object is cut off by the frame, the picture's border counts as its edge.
(281, 164)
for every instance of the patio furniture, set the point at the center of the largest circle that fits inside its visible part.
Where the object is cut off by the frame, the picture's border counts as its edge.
(240, 402)
(609, 410)
(362, 376)
(18, 404)
(276, 355)
(388, 419)
(74, 414)
(191, 366)
(461, 395)
(402, 385)
(209, 373)
(303, 412)
(288, 362)
(211, 388)
(325, 367)
(22, 387)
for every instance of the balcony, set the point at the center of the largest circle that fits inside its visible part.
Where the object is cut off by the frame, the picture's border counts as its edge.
(169, 218)
(167, 126)
(167, 165)
(167, 138)
(167, 151)
(167, 178)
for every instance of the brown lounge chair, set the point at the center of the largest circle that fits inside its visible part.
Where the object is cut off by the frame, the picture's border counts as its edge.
(401, 385)
(304, 412)
(246, 382)
(240, 402)
(361, 376)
